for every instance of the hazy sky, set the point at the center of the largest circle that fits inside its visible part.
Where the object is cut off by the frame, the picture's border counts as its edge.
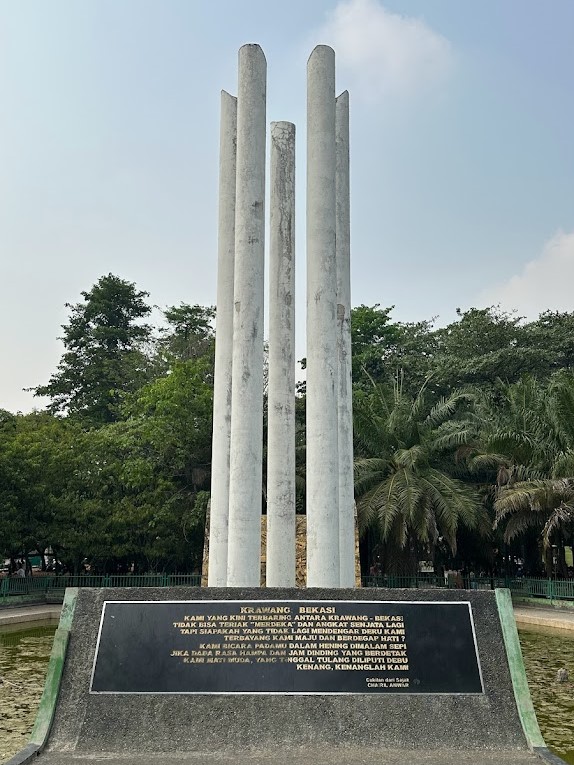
(462, 154)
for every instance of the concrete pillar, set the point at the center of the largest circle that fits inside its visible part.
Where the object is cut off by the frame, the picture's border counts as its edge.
(244, 548)
(219, 512)
(322, 420)
(345, 403)
(281, 385)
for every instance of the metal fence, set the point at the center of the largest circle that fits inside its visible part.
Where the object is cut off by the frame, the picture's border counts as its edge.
(39, 586)
(547, 589)
(435, 581)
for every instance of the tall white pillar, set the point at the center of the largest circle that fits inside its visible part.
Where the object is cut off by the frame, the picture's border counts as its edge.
(345, 392)
(244, 548)
(219, 506)
(322, 420)
(281, 385)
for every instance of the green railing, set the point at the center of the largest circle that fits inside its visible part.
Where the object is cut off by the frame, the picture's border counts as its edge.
(31, 587)
(38, 587)
(548, 589)
(434, 581)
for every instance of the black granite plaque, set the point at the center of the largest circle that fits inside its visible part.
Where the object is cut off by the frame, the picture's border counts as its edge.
(286, 647)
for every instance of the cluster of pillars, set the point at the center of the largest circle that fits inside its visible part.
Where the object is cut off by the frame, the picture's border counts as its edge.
(236, 487)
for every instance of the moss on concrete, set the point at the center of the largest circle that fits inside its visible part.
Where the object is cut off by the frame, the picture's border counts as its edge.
(47, 707)
(519, 682)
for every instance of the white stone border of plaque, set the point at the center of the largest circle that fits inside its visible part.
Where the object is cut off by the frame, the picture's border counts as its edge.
(357, 603)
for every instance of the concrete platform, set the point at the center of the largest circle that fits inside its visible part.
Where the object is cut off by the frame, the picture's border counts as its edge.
(349, 729)
(354, 729)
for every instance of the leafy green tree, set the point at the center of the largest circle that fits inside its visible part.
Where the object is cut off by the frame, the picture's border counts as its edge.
(486, 345)
(551, 337)
(383, 349)
(189, 335)
(482, 346)
(134, 496)
(37, 458)
(405, 492)
(106, 355)
(166, 459)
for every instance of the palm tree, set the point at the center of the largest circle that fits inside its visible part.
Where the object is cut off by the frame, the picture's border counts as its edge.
(535, 486)
(404, 488)
(546, 505)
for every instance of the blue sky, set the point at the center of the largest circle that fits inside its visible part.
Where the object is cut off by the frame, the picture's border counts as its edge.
(462, 156)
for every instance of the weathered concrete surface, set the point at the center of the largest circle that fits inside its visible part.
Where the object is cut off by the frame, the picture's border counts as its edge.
(246, 446)
(522, 695)
(322, 474)
(28, 615)
(557, 618)
(219, 508)
(309, 756)
(344, 371)
(280, 571)
(47, 706)
(345, 728)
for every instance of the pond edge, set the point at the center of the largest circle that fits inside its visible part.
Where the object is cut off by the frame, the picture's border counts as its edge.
(47, 707)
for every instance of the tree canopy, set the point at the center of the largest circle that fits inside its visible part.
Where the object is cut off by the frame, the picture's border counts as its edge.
(105, 356)
(464, 439)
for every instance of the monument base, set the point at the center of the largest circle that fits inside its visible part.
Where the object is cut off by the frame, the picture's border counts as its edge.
(427, 678)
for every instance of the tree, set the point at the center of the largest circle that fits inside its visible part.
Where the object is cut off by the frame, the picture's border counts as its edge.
(132, 494)
(165, 460)
(483, 345)
(38, 455)
(546, 505)
(106, 352)
(404, 490)
(383, 349)
(189, 334)
(535, 482)
(552, 337)
(486, 345)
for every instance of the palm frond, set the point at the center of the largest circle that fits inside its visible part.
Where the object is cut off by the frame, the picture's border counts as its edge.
(487, 461)
(378, 507)
(563, 464)
(454, 503)
(532, 503)
(561, 517)
(518, 498)
(447, 406)
(453, 439)
(408, 458)
(520, 522)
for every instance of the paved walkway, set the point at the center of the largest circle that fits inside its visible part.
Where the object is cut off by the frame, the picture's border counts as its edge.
(558, 618)
(29, 614)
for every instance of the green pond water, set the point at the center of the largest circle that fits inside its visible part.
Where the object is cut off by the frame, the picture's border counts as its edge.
(545, 652)
(24, 658)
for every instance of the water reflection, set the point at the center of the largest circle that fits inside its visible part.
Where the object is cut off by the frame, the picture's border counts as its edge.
(24, 658)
